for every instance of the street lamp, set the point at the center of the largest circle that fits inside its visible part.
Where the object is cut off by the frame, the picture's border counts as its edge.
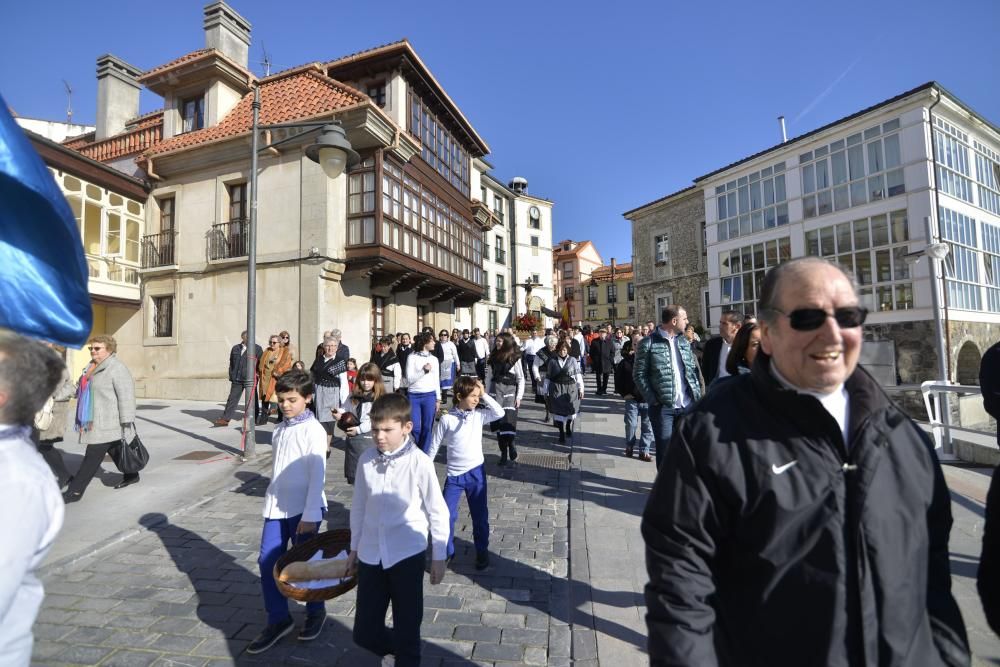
(334, 154)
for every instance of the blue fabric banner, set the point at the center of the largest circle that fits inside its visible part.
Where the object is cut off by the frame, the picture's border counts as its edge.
(43, 273)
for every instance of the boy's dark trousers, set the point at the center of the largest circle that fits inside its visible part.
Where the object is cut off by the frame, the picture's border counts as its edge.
(402, 585)
(473, 484)
(274, 541)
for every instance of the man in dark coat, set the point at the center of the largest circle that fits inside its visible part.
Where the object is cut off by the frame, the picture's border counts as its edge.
(988, 581)
(800, 517)
(602, 359)
(715, 350)
(238, 382)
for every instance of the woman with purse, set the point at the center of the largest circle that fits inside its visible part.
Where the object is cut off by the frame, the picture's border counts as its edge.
(105, 410)
(275, 361)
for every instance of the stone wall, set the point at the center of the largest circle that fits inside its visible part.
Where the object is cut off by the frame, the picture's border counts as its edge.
(686, 274)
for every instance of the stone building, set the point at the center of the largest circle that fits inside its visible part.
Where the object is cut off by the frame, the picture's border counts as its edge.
(669, 256)
(573, 262)
(393, 244)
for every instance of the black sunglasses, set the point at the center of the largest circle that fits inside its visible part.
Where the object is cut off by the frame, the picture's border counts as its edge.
(809, 319)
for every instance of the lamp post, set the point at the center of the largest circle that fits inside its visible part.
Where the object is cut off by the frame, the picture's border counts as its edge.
(334, 154)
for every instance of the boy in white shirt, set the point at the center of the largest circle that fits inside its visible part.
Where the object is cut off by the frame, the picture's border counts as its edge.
(396, 502)
(294, 504)
(461, 431)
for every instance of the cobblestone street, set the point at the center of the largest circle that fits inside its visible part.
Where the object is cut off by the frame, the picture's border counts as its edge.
(564, 586)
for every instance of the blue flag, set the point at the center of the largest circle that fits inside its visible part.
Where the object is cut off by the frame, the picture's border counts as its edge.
(43, 273)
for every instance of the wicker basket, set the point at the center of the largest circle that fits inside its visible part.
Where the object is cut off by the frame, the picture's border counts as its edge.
(332, 542)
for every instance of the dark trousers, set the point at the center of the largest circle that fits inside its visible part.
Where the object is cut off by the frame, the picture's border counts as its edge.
(473, 485)
(53, 457)
(602, 382)
(274, 541)
(92, 460)
(481, 369)
(529, 363)
(236, 392)
(402, 585)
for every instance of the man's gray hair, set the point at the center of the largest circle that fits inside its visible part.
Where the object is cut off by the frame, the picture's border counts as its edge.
(29, 373)
(334, 334)
(770, 293)
(551, 340)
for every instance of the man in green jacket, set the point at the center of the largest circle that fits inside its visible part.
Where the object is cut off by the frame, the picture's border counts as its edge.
(666, 374)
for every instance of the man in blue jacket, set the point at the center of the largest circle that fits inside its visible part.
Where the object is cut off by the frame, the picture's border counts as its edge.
(238, 380)
(667, 375)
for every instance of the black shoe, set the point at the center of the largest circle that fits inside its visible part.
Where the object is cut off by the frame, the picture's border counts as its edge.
(482, 560)
(270, 636)
(314, 624)
(127, 481)
(72, 497)
(261, 420)
(513, 453)
(562, 437)
(503, 459)
(64, 487)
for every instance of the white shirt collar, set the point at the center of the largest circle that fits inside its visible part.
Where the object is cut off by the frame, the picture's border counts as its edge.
(835, 402)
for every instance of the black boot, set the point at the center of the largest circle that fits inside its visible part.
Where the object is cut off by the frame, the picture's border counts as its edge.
(513, 452)
(503, 455)
(569, 428)
(562, 431)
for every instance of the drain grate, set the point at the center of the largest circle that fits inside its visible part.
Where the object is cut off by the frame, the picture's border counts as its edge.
(197, 456)
(553, 462)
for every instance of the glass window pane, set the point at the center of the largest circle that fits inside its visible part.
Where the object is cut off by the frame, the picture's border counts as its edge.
(822, 175)
(880, 230)
(900, 267)
(808, 179)
(838, 164)
(890, 125)
(875, 162)
(809, 207)
(771, 253)
(856, 162)
(876, 187)
(767, 187)
(812, 243)
(731, 204)
(114, 235)
(769, 217)
(847, 261)
(757, 220)
(859, 193)
(755, 198)
(744, 199)
(854, 139)
(904, 296)
(724, 263)
(744, 225)
(722, 208)
(894, 183)
(837, 145)
(844, 234)
(892, 157)
(722, 231)
(841, 200)
(863, 267)
(734, 228)
(872, 132)
(883, 298)
(824, 202)
(900, 232)
(782, 213)
(758, 255)
(883, 266)
(734, 261)
(826, 242)
(779, 187)
(784, 249)
(860, 234)
(821, 151)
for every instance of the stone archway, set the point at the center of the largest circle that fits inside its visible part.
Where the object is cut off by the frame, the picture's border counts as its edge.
(968, 361)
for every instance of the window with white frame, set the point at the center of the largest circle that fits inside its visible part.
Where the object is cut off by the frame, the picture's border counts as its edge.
(612, 293)
(864, 167)
(591, 313)
(662, 245)
(988, 177)
(991, 266)
(874, 251)
(567, 269)
(742, 271)
(952, 146)
(752, 203)
(961, 266)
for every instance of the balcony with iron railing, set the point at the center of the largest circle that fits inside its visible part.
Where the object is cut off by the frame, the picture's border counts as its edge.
(158, 250)
(499, 255)
(486, 292)
(501, 295)
(229, 240)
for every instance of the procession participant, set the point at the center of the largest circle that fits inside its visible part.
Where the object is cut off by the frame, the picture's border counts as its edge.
(424, 388)
(565, 389)
(505, 383)
(329, 375)
(539, 372)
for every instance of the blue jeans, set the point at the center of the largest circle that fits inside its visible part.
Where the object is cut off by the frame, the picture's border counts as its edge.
(422, 406)
(634, 411)
(473, 484)
(662, 418)
(274, 541)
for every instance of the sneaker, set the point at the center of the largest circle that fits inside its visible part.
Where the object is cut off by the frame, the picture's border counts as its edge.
(314, 624)
(482, 560)
(270, 636)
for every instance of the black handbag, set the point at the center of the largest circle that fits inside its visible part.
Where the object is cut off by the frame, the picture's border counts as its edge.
(130, 456)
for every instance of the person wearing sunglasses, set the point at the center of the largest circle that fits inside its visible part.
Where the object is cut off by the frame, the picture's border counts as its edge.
(800, 517)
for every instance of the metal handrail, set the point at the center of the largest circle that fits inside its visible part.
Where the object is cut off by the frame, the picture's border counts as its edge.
(938, 418)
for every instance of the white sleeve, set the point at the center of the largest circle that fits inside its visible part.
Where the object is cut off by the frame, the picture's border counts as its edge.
(493, 411)
(345, 388)
(436, 370)
(315, 460)
(365, 422)
(437, 438)
(397, 376)
(358, 500)
(578, 377)
(519, 373)
(535, 366)
(436, 510)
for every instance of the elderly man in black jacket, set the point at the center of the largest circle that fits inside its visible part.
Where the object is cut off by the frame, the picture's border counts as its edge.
(238, 382)
(800, 518)
(602, 359)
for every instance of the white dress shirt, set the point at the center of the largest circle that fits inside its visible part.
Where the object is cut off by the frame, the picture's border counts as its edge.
(31, 509)
(419, 380)
(482, 347)
(723, 355)
(395, 505)
(682, 397)
(461, 431)
(298, 472)
(836, 402)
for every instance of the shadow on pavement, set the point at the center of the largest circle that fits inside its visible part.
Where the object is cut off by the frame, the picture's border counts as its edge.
(215, 444)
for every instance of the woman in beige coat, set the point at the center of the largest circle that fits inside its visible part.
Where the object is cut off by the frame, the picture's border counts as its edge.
(105, 408)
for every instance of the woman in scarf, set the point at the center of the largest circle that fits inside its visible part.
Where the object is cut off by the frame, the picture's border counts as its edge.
(273, 363)
(105, 411)
(540, 370)
(329, 374)
(367, 389)
(565, 389)
(385, 358)
(505, 383)
(447, 355)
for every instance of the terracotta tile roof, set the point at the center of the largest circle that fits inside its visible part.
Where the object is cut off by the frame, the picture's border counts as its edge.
(622, 272)
(557, 248)
(79, 140)
(296, 94)
(187, 58)
(145, 120)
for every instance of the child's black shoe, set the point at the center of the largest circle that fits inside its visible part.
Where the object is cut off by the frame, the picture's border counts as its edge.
(270, 636)
(482, 560)
(313, 626)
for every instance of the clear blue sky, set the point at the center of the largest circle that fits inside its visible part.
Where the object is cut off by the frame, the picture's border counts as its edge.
(601, 106)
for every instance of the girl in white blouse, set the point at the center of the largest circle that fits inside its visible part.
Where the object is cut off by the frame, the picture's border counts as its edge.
(424, 381)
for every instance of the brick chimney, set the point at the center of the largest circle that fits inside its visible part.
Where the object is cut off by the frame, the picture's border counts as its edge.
(117, 95)
(228, 32)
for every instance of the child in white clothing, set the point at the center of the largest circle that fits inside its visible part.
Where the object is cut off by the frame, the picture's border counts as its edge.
(461, 431)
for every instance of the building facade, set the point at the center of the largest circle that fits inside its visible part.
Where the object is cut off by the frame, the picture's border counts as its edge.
(394, 244)
(670, 256)
(609, 296)
(872, 191)
(573, 263)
